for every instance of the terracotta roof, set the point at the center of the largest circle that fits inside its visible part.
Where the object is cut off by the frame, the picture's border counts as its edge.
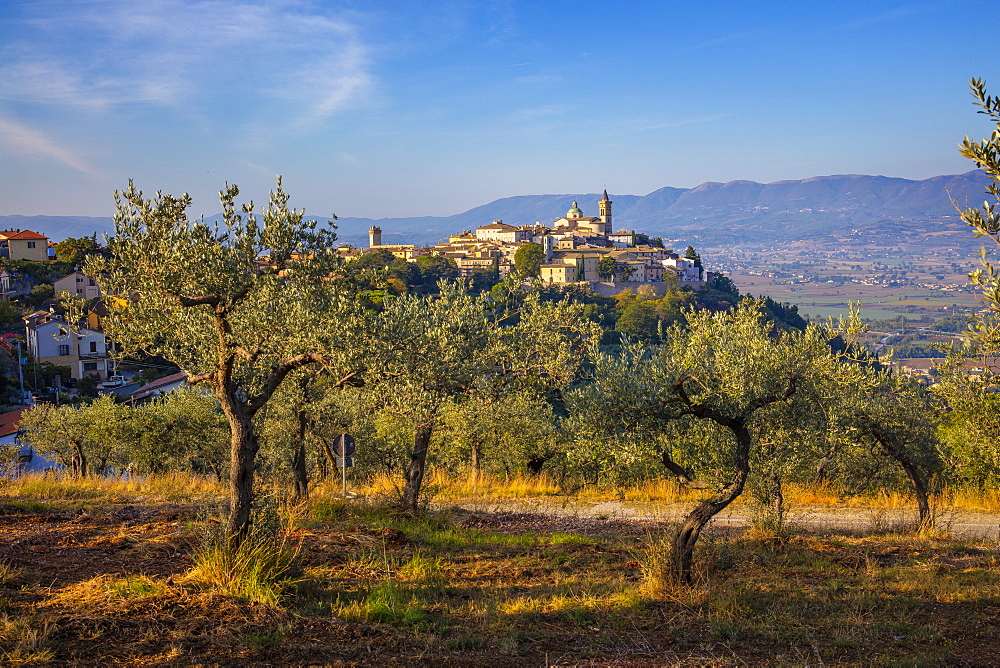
(160, 382)
(21, 234)
(497, 226)
(9, 421)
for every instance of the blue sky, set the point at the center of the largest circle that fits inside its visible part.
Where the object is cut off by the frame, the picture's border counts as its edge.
(430, 108)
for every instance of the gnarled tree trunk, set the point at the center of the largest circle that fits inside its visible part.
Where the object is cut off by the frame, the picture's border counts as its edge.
(79, 460)
(242, 451)
(418, 462)
(924, 518)
(687, 534)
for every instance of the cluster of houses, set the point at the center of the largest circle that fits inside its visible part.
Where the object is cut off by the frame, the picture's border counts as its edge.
(573, 247)
(47, 338)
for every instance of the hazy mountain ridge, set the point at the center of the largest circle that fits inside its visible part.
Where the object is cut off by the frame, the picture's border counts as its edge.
(719, 212)
(784, 210)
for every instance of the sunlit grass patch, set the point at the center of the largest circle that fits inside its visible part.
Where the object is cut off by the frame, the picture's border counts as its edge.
(261, 568)
(135, 587)
(423, 570)
(561, 538)
(106, 591)
(49, 487)
(33, 507)
(483, 485)
(164, 487)
(978, 500)
(388, 602)
(579, 609)
(26, 640)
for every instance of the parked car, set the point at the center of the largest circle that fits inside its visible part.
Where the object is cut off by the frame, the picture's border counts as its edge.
(113, 381)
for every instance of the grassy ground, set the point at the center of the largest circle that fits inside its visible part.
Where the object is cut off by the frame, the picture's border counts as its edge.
(104, 574)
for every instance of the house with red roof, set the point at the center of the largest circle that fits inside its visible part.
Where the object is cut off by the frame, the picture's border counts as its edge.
(158, 387)
(24, 245)
(26, 460)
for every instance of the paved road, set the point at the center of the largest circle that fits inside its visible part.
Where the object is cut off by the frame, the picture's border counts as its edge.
(854, 520)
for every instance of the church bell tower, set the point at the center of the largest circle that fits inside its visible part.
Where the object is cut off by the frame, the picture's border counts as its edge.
(605, 205)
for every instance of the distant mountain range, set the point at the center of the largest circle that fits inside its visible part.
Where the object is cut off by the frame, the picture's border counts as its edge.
(718, 213)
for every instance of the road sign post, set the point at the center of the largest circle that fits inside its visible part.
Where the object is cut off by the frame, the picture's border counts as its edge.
(343, 447)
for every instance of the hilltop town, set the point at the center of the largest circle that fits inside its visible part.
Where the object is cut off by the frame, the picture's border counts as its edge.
(574, 248)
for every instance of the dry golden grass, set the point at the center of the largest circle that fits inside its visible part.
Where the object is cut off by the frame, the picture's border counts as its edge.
(106, 592)
(155, 488)
(28, 639)
(260, 569)
(443, 486)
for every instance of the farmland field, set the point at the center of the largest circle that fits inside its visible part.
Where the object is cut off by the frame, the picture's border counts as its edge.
(922, 281)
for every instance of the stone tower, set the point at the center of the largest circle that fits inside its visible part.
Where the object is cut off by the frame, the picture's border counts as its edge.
(605, 205)
(374, 236)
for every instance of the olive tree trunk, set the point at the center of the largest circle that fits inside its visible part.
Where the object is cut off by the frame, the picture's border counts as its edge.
(924, 518)
(418, 462)
(79, 461)
(688, 533)
(243, 451)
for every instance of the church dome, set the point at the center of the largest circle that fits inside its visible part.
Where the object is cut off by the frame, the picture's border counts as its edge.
(574, 211)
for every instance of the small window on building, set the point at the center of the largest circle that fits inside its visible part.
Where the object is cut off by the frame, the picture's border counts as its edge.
(79, 280)
(64, 349)
(90, 366)
(93, 346)
(31, 244)
(92, 283)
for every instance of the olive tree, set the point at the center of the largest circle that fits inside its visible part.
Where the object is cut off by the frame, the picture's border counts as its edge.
(238, 305)
(430, 349)
(985, 221)
(184, 430)
(541, 347)
(726, 371)
(83, 439)
(435, 352)
(881, 414)
(970, 429)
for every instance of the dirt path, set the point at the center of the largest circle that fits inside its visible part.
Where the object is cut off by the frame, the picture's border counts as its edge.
(834, 520)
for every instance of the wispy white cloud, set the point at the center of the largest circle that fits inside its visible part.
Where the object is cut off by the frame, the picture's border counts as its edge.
(33, 143)
(881, 18)
(175, 53)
